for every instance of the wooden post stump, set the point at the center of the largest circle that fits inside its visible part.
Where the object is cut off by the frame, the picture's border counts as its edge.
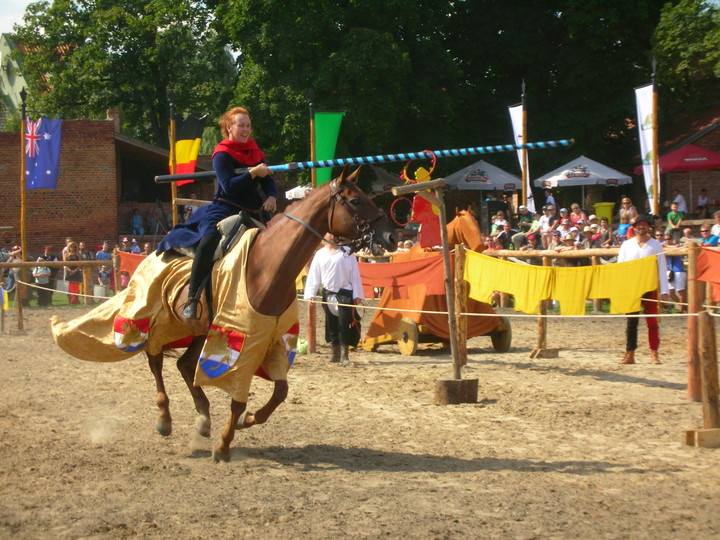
(311, 330)
(703, 438)
(454, 391)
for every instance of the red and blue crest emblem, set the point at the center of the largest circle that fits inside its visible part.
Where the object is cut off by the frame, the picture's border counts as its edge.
(221, 351)
(289, 339)
(130, 335)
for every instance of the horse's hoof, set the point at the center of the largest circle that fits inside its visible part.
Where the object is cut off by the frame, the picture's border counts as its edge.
(163, 428)
(246, 420)
(202, 425)
(219, 455)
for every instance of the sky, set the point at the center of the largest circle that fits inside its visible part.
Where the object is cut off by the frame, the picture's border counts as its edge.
(11, 13)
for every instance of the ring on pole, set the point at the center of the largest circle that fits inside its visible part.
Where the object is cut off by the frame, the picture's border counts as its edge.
(408, 180)
(392, 214)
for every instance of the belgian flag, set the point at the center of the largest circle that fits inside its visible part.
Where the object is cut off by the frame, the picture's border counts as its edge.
(187, 145)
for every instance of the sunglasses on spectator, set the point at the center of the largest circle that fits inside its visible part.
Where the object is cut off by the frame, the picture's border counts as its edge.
(704, 230)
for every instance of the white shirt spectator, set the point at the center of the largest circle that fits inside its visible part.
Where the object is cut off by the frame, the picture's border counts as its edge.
(682, 205)
(334, 270)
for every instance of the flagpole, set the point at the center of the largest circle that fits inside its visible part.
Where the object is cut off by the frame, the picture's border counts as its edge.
(23, 203)
(313, 142)
(524, 150)
(19, 288)
(173, 158)
(655, 179)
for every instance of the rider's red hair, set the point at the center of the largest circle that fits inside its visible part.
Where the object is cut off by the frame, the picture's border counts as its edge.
(228, 117)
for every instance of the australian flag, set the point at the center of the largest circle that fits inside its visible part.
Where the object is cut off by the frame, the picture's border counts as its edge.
(42, 153)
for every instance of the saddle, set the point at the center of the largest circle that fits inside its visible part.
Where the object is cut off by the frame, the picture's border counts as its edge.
(231, 230)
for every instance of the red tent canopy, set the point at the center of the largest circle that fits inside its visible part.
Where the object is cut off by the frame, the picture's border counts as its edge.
(688, 158)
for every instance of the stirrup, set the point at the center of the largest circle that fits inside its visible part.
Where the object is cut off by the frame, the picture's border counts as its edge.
(190, 309)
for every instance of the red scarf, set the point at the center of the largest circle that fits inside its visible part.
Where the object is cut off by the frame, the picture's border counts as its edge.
(247, 153)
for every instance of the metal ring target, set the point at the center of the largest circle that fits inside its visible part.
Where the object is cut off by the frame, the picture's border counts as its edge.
(392, 208)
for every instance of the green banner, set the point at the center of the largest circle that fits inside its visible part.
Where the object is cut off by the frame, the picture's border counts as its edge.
(327, 127)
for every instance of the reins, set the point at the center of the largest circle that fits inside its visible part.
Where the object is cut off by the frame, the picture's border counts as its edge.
(362, 224)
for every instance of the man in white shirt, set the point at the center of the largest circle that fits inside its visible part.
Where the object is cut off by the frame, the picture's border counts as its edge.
(336, 270)
(680, 200)
(644, 245)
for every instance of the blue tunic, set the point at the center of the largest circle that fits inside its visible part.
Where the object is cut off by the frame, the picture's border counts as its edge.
(241, 190)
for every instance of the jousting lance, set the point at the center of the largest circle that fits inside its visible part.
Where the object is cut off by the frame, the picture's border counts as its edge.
(383, 158)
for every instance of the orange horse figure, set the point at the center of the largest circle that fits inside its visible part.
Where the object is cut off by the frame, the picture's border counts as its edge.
(274, 257)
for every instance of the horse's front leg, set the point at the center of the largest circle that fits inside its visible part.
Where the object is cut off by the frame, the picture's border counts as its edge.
(222, 449)
(187, 364)
(163, 425)
(279, 395)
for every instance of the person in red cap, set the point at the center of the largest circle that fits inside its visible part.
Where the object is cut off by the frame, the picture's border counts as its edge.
(125, 245)
(644, 245)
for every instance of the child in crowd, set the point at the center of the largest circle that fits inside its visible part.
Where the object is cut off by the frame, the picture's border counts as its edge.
(674, 221)
(623, 229)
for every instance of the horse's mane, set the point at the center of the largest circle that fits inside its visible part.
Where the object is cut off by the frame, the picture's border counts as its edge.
(278, 217)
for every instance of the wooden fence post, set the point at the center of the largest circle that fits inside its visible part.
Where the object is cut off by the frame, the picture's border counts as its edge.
(87, 272)
(694, 298)
(311, 330)
(708, 356)
(461, 302)
(597, 302)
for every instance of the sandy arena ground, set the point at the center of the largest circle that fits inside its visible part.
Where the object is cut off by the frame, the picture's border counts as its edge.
(571, 447)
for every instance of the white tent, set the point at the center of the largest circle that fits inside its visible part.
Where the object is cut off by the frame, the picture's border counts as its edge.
(483, 176)
(582, 171)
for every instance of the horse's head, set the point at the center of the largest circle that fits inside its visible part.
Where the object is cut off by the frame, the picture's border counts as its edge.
(353, 215)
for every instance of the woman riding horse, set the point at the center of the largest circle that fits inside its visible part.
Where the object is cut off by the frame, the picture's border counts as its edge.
(235, 192)
(148, 314)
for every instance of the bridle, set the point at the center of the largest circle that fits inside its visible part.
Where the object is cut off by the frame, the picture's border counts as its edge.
(364, 225)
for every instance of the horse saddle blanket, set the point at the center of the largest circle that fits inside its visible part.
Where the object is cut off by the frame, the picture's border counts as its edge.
(240, 342)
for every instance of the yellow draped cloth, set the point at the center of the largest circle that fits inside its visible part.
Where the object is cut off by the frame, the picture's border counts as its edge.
(141, 317)
(623, 284)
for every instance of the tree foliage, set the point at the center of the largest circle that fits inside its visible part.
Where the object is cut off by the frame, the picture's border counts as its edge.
(415, 74)
(82, 57)
(410, 74)
(687, 45)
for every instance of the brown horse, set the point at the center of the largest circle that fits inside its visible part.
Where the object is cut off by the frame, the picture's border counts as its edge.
(276, 257)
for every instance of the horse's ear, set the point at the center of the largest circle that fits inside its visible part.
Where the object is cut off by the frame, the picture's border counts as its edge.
(354, 176)
(343, 174)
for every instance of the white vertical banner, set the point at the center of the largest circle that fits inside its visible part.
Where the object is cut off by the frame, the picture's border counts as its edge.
(516, 117)
(644, 99)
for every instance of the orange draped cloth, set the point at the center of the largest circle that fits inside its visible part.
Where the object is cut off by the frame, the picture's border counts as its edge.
(398, 276)
(708, 269)
(130, 261)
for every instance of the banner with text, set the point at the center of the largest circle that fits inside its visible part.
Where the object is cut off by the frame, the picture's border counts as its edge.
(516, 117)
(644, 98)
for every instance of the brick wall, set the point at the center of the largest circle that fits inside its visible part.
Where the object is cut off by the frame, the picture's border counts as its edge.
(85, 204)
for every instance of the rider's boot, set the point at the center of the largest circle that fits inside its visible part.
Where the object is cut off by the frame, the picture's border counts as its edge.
(335, 353)
(629, 358)
(344, 356)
